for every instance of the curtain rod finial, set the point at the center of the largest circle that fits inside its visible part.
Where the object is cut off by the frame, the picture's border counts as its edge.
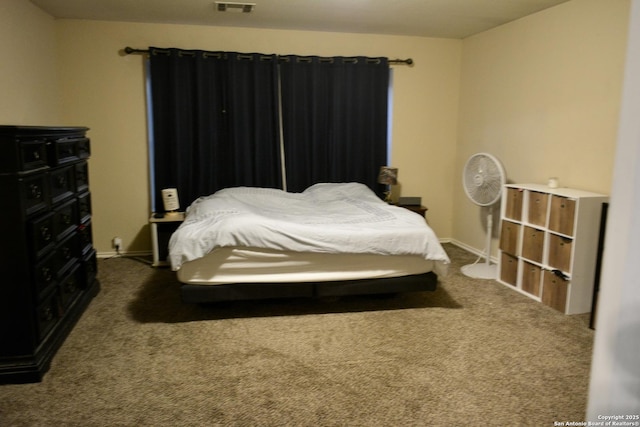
(129, 50)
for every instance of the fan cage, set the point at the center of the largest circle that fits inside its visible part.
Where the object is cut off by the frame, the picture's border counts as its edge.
(483, 179)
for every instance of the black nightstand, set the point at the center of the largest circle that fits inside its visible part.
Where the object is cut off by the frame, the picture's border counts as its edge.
(419, 209)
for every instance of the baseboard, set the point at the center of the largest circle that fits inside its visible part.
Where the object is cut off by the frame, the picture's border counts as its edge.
(476, 251)
(124, 254)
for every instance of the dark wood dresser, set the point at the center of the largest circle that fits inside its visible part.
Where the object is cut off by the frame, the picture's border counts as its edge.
(47, 260)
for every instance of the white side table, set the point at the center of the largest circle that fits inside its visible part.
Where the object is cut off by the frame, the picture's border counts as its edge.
(162, 226)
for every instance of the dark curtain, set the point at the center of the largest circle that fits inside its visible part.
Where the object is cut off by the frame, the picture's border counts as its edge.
(215, 122)
(334, 113)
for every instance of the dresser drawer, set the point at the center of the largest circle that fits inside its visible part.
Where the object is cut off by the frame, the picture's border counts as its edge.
(63, 150)
(32, 155)
(68, 149)
(34, 193)
(83, 148)
(62, 183)
(82, 177)
(89, 266)
(85, 237)
(84, 207)
(48, 313)
(71, 286)
(44, 273)
(23, 155)
(65, 219)
(41, 235)
(66, 254)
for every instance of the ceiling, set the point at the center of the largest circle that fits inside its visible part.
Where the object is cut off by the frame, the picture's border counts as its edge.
(427, 18)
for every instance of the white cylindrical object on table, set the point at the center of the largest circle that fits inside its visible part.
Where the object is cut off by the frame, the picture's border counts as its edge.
(170, 199)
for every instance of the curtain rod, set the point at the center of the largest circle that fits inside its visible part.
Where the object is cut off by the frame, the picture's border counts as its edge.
(129, 50)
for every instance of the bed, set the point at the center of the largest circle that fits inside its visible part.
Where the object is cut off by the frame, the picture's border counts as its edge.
(332, 239)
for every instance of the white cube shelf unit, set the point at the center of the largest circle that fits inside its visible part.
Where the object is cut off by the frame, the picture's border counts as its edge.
(549, 244)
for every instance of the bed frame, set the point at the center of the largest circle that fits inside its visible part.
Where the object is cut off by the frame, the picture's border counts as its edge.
(255, 291)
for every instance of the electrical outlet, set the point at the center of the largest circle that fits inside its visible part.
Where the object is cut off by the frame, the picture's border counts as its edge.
(117, 243)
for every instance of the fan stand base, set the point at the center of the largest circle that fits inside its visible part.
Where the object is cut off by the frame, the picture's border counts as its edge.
(480, 271)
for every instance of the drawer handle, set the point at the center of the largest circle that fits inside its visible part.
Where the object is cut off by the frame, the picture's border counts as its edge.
(35, 191)
(61, 181)
(46, 274)
(70, 287)
(45, 233)
(47, 314)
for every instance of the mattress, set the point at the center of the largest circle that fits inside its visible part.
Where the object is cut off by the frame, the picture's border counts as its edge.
(340, 219)
(228, 265)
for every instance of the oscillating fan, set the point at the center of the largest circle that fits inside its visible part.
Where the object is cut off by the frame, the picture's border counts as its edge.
(483, 177)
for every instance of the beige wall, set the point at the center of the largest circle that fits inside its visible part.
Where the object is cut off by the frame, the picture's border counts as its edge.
(105, 91)
(28, 73)
(542, 94)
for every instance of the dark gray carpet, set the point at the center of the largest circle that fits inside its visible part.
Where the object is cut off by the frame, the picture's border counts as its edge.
(472, 353)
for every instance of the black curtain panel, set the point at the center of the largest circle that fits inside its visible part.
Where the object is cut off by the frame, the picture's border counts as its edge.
(217, 117)
(334, 113)
(252, 110)
(215, 122)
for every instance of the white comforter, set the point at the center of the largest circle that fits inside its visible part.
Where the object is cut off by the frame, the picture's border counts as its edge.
(327, 217)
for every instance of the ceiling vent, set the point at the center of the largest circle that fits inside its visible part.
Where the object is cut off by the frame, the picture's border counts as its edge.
(224, 6)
